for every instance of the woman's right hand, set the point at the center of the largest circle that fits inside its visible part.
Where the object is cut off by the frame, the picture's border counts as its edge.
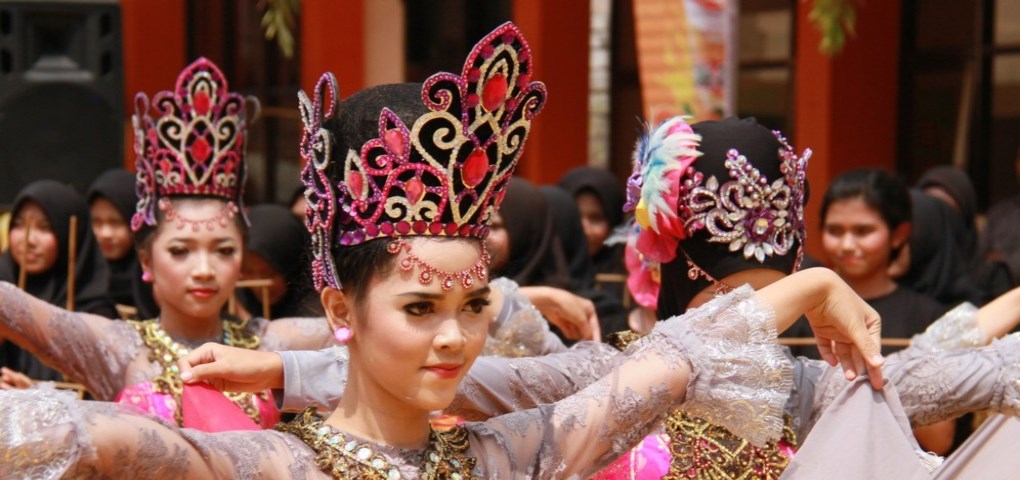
(847, 330)
(232, 369)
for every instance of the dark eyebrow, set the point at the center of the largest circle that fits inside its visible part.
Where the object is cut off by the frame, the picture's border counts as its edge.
(481, 292)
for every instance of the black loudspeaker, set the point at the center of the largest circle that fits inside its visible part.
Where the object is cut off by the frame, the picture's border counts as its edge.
(61, 92)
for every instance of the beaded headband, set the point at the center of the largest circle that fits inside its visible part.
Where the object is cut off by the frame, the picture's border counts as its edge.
(193, 143)
(444, 175)
(672, 200)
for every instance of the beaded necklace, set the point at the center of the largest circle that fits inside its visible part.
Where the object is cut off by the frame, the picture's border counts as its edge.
(343, 458)
(166, 351)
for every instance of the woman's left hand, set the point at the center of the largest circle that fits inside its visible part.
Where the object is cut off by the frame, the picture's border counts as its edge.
(10, 379)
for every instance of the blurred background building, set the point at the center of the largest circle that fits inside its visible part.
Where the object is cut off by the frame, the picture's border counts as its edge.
(918, 83)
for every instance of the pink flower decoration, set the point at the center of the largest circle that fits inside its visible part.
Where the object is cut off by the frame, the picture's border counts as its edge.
(656, 247)
(641, 278)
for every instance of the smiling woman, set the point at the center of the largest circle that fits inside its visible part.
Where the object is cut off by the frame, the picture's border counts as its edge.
(39, 239)
(190, 238)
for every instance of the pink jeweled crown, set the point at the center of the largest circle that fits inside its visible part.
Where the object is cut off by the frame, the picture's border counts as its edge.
(191, 144)
(444, 175)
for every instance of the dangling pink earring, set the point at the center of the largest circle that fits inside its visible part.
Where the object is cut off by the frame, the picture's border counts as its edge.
(342, 335)
(147, 276)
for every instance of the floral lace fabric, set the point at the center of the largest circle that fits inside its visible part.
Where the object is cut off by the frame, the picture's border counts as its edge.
(570, 438)
(519, 329)
(957, 329)
(107, 356)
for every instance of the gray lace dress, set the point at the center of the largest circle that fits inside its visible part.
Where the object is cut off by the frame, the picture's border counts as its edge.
(720, 360)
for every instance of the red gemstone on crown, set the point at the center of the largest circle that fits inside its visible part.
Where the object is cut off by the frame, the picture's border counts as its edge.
(200, 150)
(415, 190)
(356, 184)
(475, 168)
(494, 92)
(201, 103)
(394, 141)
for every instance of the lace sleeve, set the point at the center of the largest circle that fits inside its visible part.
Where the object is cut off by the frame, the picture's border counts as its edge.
(88, 349)
(312, 378)
(493, 386)
(956, 330)
(940, 385)
(519, 330)
(49, 435)
(720, 360)
(936, 386)
(310, 333)
(496, 386)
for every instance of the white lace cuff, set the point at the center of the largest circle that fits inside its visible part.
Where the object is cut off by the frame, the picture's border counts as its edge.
(955, 330)
(740, 378)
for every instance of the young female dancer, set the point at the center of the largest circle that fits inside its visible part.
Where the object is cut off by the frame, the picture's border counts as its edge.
(409, 300)
(914, 372)
(190, 237)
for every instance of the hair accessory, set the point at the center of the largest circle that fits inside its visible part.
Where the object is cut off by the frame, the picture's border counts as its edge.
(443, 175)
(342, 335)
(427, 272)
(147, 276)
(221, 218)
(672, 200)
(192, 143)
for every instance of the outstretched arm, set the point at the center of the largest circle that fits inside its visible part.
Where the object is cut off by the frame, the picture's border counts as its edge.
(47, 434)
(966, 327)
(87, 349)
(719, 362)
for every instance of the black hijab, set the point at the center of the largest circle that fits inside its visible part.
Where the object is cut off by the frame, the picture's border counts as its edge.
(957, 184)
(937, 266)
(117, 186)
(536, 256)
(567, 220)
(281, 239)
(59, 202)
(604, 185)
(761, 148)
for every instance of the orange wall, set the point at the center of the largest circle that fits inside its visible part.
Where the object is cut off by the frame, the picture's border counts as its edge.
(845, 107)
(333, 40)
(154, 50)
(559, 39)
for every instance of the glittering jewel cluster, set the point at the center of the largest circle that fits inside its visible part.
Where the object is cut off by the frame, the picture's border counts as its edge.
(753, 216)
(443, 175)
(165, 351)
(447, 280)
(345, 458)
(190, 141)
(703, 451)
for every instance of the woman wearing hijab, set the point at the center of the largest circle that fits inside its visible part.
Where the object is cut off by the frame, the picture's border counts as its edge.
(932, 264)
(599, 198)
(567, 222)
(39, 239)
(112, 200)
(275, 245)
(952, 186)
(533, 254)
